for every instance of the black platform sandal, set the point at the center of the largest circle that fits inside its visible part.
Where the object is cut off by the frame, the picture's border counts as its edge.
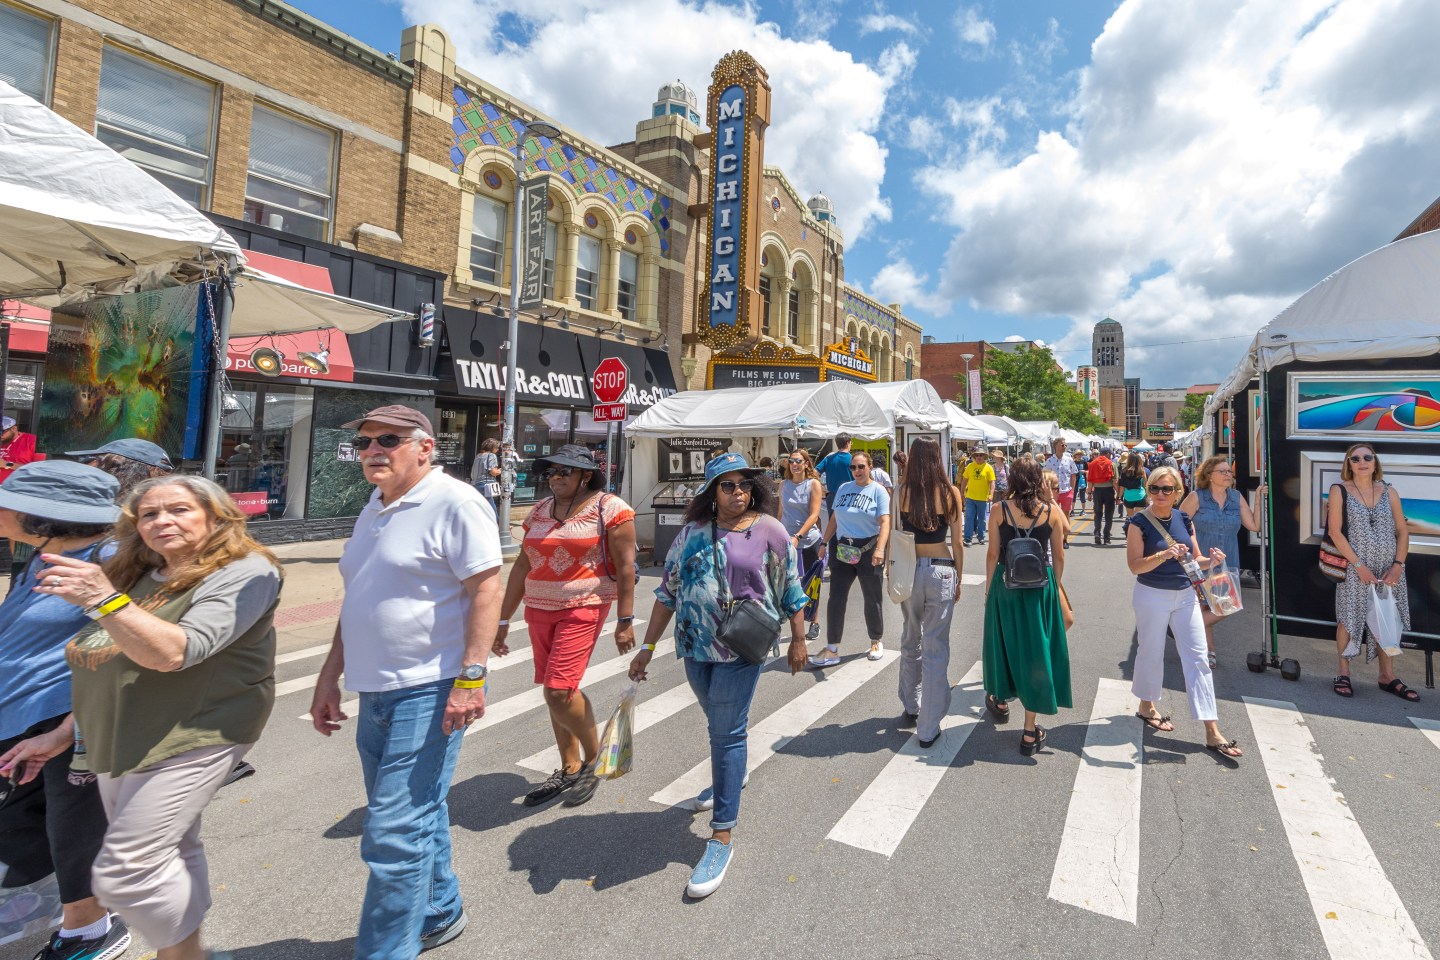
(1343, 688)
(1028, 746)
(1000, 711)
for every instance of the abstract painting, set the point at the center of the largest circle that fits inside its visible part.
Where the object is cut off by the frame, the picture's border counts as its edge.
(1416, 480)
(1385, 407)
(1257, 438)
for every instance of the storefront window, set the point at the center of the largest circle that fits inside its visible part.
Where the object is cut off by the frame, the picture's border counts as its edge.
(338, 487)
(21, 387)
(265, 449)
(451, 430)
(538, 431)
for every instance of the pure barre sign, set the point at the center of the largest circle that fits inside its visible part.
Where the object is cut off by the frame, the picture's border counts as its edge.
(726, 213)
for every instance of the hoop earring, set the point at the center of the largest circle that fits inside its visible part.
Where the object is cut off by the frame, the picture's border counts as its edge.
(712, 506)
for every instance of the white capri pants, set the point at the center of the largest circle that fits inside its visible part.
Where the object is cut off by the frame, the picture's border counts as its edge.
(1155, 609)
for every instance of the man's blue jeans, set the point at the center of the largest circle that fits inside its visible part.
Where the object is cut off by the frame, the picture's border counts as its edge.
(725, 691)
(977, 516)
(407, 764)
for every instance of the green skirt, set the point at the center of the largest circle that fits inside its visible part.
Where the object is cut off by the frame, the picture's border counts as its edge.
(1024, 649)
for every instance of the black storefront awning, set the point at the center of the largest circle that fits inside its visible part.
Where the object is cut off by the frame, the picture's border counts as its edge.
(554, 364)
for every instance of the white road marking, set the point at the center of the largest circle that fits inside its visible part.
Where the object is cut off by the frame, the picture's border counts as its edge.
(1431, 729)
(1357, 909)
(972, 580)
(879, 820)
(782, 726)
(293, 655)
(514, 658)
(647, 714)
(1098, 865)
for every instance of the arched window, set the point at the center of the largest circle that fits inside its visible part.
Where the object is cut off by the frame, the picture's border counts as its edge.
(909, 363)
(487, 240)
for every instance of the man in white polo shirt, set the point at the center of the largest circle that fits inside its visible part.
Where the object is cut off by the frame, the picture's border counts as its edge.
(417, 624)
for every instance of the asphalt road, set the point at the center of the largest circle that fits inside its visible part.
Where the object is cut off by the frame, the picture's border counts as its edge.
(1109, 843)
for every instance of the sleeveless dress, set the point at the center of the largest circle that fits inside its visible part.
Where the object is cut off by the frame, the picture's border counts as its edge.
(1217, 526)
(1025, 652)
(1371, 532)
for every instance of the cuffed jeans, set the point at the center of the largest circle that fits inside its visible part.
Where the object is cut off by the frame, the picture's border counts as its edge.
(977, 516)
(872, 590)
(407, 764)
(1156, 609)
(925, 646)
(724, 691)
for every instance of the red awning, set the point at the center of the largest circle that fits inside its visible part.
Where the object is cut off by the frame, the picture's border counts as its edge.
(314, 354)
(29, 326)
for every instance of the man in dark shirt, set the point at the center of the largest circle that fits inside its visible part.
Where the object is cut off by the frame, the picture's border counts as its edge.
(835, 469)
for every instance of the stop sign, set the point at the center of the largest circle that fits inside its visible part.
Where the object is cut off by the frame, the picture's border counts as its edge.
(610, 379)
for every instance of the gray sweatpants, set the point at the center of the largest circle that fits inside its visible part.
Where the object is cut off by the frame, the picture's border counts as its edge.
(925, 646)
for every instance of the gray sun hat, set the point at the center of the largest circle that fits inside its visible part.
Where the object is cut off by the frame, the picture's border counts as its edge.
(573, 455)
(132, 448)
(62, 490)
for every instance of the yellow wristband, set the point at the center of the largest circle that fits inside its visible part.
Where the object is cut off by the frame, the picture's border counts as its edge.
(109, 606)
(463, 684)
(648, 646)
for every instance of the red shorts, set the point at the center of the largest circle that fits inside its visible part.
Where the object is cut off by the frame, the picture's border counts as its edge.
(563, 641)
(1066, 501)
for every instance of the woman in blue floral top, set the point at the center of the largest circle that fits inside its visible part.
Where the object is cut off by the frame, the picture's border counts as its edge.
(732, 517)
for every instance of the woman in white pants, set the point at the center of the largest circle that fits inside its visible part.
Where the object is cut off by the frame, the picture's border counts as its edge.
(1164, 597)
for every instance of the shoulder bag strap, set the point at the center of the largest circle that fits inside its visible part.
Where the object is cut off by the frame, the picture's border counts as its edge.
(604, 551)
(719, 568)
(1169, 540)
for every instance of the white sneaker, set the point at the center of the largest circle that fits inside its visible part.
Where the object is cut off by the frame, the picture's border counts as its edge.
(705, 799)
(877, 651)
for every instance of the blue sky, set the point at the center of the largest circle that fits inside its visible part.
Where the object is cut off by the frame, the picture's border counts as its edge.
(1024, 169)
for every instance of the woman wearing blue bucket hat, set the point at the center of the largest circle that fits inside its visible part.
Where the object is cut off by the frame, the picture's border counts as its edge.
(732, 558)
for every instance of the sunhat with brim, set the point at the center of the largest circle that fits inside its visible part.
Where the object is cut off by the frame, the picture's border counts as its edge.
(727, 463)
(62, 490)
(131, 448)
(573, 455)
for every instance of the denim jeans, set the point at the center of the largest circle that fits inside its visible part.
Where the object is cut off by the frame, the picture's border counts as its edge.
(724, 691)
(407, 764)
(977, 516)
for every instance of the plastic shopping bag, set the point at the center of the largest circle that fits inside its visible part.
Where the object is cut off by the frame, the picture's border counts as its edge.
(1221, 590)
(617, 745)
(813, 578)
(1383, 618)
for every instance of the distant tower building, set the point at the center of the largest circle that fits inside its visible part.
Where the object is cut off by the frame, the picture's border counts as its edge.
(1107, 349)
(1087, 381)
(677, 99)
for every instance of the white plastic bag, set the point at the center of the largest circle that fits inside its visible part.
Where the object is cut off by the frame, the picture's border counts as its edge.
(1383, 618)
(617, 745)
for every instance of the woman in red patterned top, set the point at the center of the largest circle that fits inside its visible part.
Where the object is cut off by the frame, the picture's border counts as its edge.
(568, 576)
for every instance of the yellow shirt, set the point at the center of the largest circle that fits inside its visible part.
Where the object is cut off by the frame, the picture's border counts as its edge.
(978, 478)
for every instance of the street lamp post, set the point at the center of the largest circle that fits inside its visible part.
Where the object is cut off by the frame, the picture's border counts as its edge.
(507, 440)
(969, 397)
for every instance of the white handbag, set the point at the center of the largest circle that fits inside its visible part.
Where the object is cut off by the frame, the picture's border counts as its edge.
(901, 580)
(1382, 616)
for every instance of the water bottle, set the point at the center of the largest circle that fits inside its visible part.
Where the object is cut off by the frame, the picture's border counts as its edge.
(1192, 570)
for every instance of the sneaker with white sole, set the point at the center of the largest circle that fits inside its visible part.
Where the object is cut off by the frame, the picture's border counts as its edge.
(705, 799)
(709, 873)
(812, 632)
(115, 942)
(825, 658)
(444, 934)
(877, 651)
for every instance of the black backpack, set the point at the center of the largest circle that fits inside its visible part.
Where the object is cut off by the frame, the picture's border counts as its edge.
(1026, 565)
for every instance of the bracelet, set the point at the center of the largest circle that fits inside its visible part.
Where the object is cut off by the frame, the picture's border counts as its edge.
(504, 623)
(97, 606)
(117, 602)
(629, 619)
(463, 684)
(648, 646)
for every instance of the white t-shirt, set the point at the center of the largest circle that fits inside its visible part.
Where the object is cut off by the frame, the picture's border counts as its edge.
(402, 621)
(879, 475)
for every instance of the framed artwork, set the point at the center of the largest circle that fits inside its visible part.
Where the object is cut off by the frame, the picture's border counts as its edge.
(1416, 479)
(1389, 407)
(1226, 438)
(1257, 440)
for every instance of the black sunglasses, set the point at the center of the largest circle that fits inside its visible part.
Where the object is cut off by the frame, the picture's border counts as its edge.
(858, 466)
(1357, 457)
(728, 486)
(388, 441)
(1165, 490)
(561, 472)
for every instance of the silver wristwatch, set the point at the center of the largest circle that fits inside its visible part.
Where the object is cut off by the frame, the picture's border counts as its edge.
(474, 671)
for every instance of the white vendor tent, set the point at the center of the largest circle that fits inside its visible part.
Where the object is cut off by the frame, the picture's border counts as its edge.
(966, 426)
(1014, 430)
(913, 403)
(1046, 430)
(801, 411)
(1385, 304)
(1144, 446)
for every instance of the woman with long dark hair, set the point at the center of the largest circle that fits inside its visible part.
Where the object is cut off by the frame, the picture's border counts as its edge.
(1025, 651)
(857, 534)
(799, 510)
(1130, 484)
(929, 507)
(730, 534)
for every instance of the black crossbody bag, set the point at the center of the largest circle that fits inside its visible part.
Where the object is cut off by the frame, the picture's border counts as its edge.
(746, 627)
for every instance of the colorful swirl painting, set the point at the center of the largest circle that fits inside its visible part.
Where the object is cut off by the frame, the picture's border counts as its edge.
(1384, 407)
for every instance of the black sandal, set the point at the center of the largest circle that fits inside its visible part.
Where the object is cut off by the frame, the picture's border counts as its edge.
(1343, 688)
(1032, 740)
(1000, 711)
(1400, 690)
(1156, 722)
(1230, 749)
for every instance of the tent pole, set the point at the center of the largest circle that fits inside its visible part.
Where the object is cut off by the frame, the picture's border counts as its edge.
(214, 404)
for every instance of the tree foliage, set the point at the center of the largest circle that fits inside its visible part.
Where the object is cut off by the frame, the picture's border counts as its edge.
(1029, 385)
(1193, 411)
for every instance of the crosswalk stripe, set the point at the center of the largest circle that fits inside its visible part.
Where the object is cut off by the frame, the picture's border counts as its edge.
(293, 655)
(782, 726)
(1356, 908)
(879, 820)
(512, 707)
(1098, 865)
(512, 659)
(972, 579)
(1431, 729)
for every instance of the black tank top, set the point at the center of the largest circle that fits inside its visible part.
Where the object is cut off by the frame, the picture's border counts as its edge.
(926, 536)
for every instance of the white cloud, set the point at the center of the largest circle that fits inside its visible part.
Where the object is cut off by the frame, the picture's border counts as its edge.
(973, 29)
(899, 282)
(879, 21)
(826, 106)
(1218, 160)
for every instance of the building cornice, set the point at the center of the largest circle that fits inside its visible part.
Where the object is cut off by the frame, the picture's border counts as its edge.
(340, 44)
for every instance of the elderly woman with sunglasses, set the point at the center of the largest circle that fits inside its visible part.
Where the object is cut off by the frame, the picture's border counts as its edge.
(857, 534)
(1219, 511)
(578, 559)
(730, 534)
(800, 499)
(1164, 597)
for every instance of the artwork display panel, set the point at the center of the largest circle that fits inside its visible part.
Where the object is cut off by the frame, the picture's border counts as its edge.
(1389, 407)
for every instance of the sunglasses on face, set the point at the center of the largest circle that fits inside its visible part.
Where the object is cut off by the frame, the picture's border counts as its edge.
(387, 441)
(560, 472)
(1167, 490)
(797, 461)
(730, 486)
(856, 468)
(1357, 457)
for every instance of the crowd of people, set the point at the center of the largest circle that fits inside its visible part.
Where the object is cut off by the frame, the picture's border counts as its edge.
(140, 637)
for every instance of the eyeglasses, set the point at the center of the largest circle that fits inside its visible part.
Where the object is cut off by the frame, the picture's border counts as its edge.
(729, 486)
(1223, 470)
(388, 441)
(797, 460)
(857, 467)
(1165, 490)
(1357, 457)
(561, 472)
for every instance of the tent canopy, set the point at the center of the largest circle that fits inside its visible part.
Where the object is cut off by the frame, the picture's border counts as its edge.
(1046, 430)
(911, 402)
(1144, 446)
(966, 426)
(801, 411)
(1016, 431)
(1385, 304)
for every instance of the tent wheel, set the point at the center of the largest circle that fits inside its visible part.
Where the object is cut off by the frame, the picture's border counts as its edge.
(1255, 662)
(1290, 669)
